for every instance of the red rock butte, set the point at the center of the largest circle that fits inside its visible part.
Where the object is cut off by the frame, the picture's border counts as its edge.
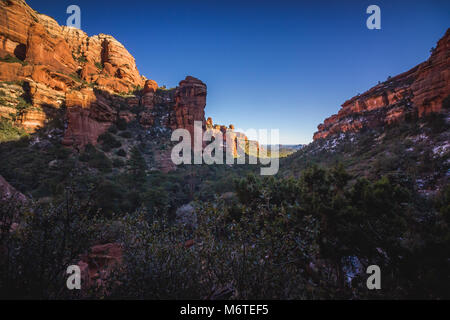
(420, 90)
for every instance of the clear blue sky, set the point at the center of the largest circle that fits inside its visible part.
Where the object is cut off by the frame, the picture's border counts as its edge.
(268, 64)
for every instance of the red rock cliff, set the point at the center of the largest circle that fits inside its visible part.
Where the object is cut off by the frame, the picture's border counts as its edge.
(190, 102)
(60, 66)
(420, 90)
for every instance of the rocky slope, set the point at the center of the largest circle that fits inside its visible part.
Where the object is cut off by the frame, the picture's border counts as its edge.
(399, 128)
(420, 91)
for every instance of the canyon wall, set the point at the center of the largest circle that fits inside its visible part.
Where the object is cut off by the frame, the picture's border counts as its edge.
(45, 67)
(419, 91)
(53, 66)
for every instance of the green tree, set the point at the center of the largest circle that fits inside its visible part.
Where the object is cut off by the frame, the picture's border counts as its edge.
(137, 166)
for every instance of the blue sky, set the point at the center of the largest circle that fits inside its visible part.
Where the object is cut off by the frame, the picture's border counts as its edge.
(285, 65)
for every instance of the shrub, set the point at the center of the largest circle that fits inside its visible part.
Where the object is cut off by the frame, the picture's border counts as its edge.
(121, 153)
(108, 142)
(122, 124)
(118, 163)
(34, 257)
(11, 59)
(101, 162)
(113, 129)
(446, 103)
(126, 134)
(82, 59)
(96, 159)
(9, 132)
(436, 122)
(99, 66)
(75, 77)
(137, 166)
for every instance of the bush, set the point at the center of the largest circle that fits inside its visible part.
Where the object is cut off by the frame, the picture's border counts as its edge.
(436, 122)
(99, 66)
(446, 103)
(137, 166)
(121, 153)
(9, 132)
(118, 163)
(108, 142)
(122, 124)
(126, 134)
(11, 59)
(96, 159)
(246, 260)
(306, 238)
(113, 129)
(35, 256)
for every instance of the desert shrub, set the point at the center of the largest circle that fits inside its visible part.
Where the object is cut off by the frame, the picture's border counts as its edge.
(122, 124)
(9, 132)
(126, 134)
(99, 65)
(137, 166)
(96, 159)
(75, 77)
(118, 163)
(157, 200)
(245, 259)
(113, 129)
(11, 59)
(101, 162)
(121, 153)
(108, 142)
(22, 105)
(446, 103)
(36, 253)
(436, 122)
(82, 59)
(280, 238)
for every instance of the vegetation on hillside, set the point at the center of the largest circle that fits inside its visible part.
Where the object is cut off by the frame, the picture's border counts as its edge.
(306, 238)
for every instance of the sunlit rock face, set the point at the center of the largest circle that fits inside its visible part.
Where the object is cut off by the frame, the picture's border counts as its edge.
(190, 102)
(420, 90)
(59, 65)
(9, 192)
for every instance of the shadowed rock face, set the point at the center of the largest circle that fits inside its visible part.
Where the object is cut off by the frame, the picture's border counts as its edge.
(420, 90)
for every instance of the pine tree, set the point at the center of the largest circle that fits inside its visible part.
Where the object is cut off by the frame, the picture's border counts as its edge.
(137, 166)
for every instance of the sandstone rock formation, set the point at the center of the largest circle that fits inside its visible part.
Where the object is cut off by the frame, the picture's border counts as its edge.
(236, 142)
(420, 90)
(58, 65)
(89, 114)
(190, 102)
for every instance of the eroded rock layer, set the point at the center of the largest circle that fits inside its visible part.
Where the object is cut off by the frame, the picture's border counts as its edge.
(60, 66)
(420, 90)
